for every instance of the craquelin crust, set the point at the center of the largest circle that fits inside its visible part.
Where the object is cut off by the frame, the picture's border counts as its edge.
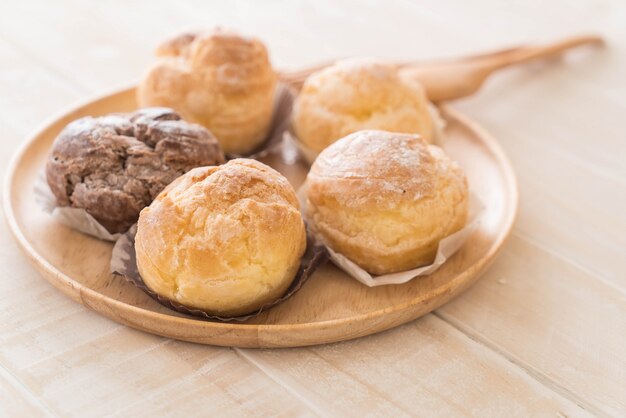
(224, 239)
(218, 79)
(113, 166)
(358, 94)
(385, 200)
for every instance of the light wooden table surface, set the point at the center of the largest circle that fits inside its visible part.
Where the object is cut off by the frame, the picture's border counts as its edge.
(543, 333)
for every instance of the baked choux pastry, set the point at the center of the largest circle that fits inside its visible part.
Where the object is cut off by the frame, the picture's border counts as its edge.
(224, 239)
(385, 200)
(218, 79)
(113, 166)
(352, 95)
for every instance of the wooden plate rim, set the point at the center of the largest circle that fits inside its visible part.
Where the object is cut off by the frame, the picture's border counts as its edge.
(88, 296)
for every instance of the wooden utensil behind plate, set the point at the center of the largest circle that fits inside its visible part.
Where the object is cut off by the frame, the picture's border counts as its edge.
(455, 78)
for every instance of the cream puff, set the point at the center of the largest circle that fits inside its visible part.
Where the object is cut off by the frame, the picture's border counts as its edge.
(218, 79)
(353, 95)
(113, 166)
(385, 200)
(226, 239)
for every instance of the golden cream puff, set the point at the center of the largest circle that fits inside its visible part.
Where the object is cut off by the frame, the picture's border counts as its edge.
(385, 200)
(225, 239)
(353, 95)
(218, 79)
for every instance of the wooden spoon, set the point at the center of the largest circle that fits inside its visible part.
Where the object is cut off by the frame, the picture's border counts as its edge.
(460, 77)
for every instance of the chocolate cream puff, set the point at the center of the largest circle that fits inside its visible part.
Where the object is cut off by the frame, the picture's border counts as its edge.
(113, 166)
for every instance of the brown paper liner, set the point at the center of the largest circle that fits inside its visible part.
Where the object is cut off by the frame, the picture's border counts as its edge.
(124, 264)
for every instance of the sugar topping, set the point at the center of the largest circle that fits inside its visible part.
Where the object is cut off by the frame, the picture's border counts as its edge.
(376, 166)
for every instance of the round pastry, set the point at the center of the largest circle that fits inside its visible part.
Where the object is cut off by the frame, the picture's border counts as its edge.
(224, 239)
(218, 79)
(357, 94)
(113, 166)
(385, 200)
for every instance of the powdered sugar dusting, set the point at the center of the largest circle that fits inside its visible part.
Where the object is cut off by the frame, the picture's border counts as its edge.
(378, 165)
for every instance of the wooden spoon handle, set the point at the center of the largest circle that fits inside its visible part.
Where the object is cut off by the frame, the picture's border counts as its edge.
(452, 79)
(523, 54)
(471, 70)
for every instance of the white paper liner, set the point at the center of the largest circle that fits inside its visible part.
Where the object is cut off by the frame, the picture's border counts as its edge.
(446, 249)
(82, 221)
(76, 218)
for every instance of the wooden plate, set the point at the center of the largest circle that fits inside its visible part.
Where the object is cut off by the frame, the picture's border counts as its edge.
(330, 307)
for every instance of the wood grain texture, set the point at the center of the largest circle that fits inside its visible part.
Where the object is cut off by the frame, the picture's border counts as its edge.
(138, 375)
(423, 366)
(559, 122)
(553, 314)
(17, 401)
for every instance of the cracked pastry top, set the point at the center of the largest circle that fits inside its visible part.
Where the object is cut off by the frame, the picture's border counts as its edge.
(218, 79)
(113, 166)
(225, 239)
(357, 94)
(385, 200)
